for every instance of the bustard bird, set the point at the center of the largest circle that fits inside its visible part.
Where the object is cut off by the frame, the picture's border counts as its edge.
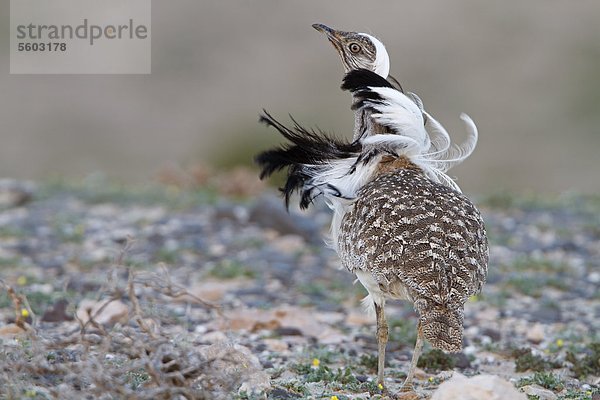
(361, 50)
(403, 233)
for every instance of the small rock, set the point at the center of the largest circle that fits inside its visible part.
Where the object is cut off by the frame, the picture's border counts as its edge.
(594, 277)
(214, 290)
(331, 336)
(407, 396)
(303, 319)
(60, 356)
(470, 350)
(546, 313)
(233, 360)
(214, 337)
(11, 330)
(420, 374)
(493, 334)
(103, 313)
(282, 394)
(276, 345)
(461, 360)
(58, 312)
(536, 333)
(200, 329)
(270, 212)
(15, 193)
(540, 392)
(289, 243)
(489, 360)
(359, 319)
(480, 387)
(44, 288)
(288, 331)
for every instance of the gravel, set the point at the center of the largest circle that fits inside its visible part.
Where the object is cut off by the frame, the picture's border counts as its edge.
(281, 292)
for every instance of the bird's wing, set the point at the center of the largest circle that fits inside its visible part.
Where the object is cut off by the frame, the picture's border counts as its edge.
(403, 227)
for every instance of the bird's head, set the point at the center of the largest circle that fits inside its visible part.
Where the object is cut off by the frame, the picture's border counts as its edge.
(358, 50)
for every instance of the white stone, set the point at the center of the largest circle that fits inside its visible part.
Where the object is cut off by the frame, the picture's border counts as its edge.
(540, 392)
(594, 277)
(536, 333)
(480, 387)
(214, 337)
(104, 312)
(276, 345)
(236, 360)
(200, 329)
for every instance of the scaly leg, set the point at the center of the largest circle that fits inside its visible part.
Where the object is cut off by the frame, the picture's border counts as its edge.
(382, 338)
(407, 386)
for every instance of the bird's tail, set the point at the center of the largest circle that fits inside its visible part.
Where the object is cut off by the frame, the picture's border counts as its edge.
(443, 327)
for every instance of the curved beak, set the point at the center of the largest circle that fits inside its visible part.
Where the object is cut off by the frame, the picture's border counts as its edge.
(323, 28)
(333, 35)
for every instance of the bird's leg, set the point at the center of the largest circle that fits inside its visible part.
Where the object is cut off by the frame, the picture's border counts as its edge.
(407, 386)
(382, 338)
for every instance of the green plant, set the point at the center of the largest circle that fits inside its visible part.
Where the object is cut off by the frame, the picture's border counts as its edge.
(230, 269)
(575, 394)
(589, 364)
(525, 360)
(369, 361)
(167, 256)
(402, 331)
(543, 379)
(295, 387)
(137, 378)
(436, 360)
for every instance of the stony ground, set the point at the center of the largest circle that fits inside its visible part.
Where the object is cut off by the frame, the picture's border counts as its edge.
(162, 292)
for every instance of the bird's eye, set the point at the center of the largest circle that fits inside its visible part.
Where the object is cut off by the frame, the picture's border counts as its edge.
(354, 47)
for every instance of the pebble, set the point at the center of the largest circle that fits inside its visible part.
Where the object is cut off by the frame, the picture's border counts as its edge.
(479, 387)
(470, 350)
(276, 345)
(57, 312)
(594, 277)
(103, 313)
(288, 287)
(10, 331)
(214, 337)
(536, 333)
(493, 334)
(15, 193)
(540, 392)
(288, 331)
(200, 329)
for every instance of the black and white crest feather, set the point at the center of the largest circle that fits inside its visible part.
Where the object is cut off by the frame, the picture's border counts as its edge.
(305, 158)
(319, 164)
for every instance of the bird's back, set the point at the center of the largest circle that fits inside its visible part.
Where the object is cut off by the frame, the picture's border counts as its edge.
(408, 231)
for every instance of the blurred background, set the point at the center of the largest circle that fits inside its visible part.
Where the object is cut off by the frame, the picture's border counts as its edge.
(527, 72)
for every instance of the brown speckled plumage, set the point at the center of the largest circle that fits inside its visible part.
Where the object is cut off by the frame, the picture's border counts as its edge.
(421, 239)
